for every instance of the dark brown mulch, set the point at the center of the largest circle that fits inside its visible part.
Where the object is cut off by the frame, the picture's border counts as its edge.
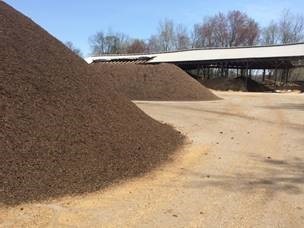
(165, 82)
(292, 85)
(235, 84)
(63, 130)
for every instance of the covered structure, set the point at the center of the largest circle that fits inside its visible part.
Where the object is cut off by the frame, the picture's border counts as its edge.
(210, 62)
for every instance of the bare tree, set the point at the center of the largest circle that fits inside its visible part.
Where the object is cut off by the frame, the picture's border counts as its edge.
(270, 34)
(110, 43)
(220, 30)
(291, 27)
(288, 29)
(242, 30)
(154, 44)
(196, 36)
(97, 43)
(253, 32)
(233, 29)
(182, 40)
(116, 43)
(166, 35)
(207, 33)
(71, 46)
(203, 34)
(165, 39)
(137, 46)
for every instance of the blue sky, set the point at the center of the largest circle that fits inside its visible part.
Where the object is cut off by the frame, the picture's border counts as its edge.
(77, 20)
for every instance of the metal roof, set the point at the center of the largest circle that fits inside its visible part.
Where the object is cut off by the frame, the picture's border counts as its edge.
(213, 54)
(108, 58)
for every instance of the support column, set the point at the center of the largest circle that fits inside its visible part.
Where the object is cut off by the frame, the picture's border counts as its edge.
(227, 71)
(218, 70)
(275, 75)
(197, 71)
(264, 73)
(243, 72)
(247, 66)
(287, 75)
(250, 73)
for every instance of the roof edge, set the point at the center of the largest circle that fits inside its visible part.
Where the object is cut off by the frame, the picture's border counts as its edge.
(201, 49)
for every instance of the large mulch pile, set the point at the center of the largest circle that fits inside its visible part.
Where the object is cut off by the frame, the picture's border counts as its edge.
(235, 84)
(165, 82)
(63, 130)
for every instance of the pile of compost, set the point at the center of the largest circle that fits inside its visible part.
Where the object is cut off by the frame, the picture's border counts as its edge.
(235, 84)
(63, 130)
(159, 82)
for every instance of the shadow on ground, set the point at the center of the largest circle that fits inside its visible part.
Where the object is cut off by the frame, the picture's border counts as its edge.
(271, 175)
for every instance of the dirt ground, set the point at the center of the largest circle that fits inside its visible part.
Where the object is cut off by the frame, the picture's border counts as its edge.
(242, 167)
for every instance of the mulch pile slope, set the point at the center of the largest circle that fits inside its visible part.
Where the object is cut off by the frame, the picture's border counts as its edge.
(163, 82)
(235, 84)
(63, 130)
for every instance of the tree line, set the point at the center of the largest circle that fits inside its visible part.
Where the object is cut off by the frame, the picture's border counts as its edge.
(231, 29)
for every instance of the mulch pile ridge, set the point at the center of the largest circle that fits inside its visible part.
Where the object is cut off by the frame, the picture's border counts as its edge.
(235, 84)
(160, 82)
(63, 130)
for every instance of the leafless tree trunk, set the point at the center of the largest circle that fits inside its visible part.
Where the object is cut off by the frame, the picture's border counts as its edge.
(270, 34)
(154, 44)
(182, 40)
(291, 27)
(166, 35)
(97, 43)
(197, 37)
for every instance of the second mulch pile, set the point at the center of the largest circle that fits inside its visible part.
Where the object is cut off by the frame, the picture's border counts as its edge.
(159, 82)
(236, 84)
(62, 129)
